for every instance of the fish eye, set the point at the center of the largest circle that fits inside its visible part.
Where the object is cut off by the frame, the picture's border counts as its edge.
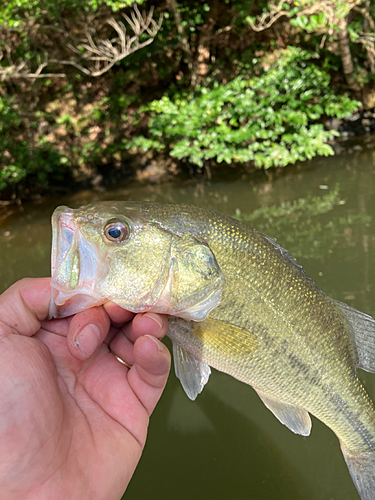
(116, 231)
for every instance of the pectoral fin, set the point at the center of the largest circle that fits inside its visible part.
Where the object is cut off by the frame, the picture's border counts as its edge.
(296, 419)
(221, 345)
(193, 374)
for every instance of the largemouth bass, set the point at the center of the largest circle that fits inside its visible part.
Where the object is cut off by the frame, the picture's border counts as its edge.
(237, 302)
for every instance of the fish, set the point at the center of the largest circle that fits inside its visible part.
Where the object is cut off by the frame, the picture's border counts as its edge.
(237, 301)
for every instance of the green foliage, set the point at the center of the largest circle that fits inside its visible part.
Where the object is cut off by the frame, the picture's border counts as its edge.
(14, 12)
(268, 111)
(323, 21)
(316, 20)
(310, 15)
(269, 119)
(17, 159)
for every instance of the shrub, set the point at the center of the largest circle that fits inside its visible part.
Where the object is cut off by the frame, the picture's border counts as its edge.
(18, 159)
(271, 119)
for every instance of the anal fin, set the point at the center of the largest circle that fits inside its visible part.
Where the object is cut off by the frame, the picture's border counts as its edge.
(296, 419)
(193, 374)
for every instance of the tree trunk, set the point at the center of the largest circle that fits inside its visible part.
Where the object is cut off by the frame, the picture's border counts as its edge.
(184, 40)
(205, 39)
(346, 56)
(368, 26)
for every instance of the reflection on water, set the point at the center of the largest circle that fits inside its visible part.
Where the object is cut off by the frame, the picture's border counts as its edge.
(227, 444)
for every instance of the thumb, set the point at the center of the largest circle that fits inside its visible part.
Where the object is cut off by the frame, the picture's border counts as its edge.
(149, 374)
(24, 305)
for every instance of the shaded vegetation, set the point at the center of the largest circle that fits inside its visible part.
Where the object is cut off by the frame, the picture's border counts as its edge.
(271, 119)
(86, 91)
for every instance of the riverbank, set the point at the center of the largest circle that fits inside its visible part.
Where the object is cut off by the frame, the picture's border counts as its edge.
(198, 87)
(158, 176)
(360, 123)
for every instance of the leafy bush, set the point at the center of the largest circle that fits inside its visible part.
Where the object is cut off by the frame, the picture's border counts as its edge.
(18, 159)
(271, 119)
(15, 12)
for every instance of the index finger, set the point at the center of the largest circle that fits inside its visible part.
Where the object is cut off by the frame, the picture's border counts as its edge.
(117, 314)
(24, 305)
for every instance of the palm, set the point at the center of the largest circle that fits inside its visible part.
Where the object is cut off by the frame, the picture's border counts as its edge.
(81, 423)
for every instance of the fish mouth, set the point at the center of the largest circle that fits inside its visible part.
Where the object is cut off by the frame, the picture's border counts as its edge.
(74, 267)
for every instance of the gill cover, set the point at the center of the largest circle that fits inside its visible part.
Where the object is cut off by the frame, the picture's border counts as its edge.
(195, 280)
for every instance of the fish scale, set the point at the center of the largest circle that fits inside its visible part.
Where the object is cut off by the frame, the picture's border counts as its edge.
(237, 302)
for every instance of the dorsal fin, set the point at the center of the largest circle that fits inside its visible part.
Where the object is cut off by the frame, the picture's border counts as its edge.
(296, 419)
(363, 329)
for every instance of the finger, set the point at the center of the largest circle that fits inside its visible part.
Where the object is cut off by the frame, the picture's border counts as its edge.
(118, 315)
(105, 381)
(87, 331)
(146, 324)
(143, 324)
(58, 326)
(123, 348)
(149, 374)
(24, 305)
(113, 331)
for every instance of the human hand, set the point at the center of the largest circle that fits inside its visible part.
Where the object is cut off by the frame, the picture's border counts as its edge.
(73, 419)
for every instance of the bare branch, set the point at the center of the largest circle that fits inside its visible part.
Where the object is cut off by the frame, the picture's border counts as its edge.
(328, 7)
(267, 19)
(368, 40)
(96, 55)
(22, 70)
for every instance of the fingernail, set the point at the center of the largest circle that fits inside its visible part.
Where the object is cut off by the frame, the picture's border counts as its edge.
(88, 340)
(155, 318)
(160, 346)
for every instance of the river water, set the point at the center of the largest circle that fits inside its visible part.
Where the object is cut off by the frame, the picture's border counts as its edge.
(226, 444)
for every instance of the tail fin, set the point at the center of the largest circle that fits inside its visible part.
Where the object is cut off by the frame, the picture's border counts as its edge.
(362, 470)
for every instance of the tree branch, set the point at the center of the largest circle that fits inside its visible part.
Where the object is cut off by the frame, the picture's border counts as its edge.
(267, 19)
(101, 55)
(96, 55)
(22, 70)
(328, 7)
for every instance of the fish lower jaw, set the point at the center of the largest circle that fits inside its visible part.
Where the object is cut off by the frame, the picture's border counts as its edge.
(67, 303)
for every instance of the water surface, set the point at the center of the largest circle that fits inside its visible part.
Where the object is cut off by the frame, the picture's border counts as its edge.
(226, 444)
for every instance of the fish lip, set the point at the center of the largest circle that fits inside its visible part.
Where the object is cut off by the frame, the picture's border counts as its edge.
(59, 211)
(71, 303)
(64, 236)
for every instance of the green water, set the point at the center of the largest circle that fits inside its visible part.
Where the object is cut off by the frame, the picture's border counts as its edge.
(226, 444)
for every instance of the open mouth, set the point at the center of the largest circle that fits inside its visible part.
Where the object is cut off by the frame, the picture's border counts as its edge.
(74, 267)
